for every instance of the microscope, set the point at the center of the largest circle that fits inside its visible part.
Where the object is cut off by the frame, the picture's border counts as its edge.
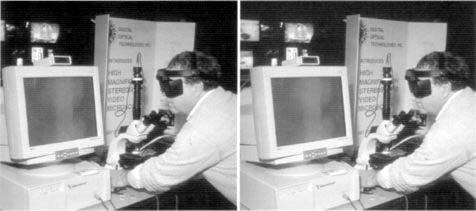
(393, 138)
(144, 137)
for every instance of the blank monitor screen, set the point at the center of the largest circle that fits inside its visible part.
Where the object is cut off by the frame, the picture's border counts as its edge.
(59, 109)
(307, 109)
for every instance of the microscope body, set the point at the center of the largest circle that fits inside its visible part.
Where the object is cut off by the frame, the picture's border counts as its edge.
(125, 151)
(392, 138)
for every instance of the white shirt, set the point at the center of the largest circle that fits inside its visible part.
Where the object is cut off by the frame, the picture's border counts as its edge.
(134, 176)
(199, 102)
(206, 144)
(447, 103)
(449, 146)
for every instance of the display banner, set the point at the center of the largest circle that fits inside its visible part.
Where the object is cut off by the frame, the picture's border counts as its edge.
(129, 44)
(384, 43)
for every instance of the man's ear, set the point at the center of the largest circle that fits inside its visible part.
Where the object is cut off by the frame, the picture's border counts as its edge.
(445, 88)
(198, 87)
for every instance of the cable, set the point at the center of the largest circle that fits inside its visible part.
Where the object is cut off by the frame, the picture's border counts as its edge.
(404, 140)
(104, 205)
(154, 140)
(350, 201)
(372, 112)
(176, 202)
(157, 201)
(389, 59)
(352, 204)
(119, 113)
(406, 201)
(139, 59)
(123, 113)
(360, 202)
(426, 202)
(102, 201)
(112, 204)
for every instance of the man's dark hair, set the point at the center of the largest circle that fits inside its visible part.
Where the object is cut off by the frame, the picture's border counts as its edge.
(449, 68)
(206, 68)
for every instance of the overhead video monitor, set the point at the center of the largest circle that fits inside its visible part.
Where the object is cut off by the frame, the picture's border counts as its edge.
(44, 32)
(298, 32)
(249, 30)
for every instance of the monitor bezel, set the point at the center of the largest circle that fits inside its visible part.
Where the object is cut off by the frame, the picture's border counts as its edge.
(264, 111)
(16, 115)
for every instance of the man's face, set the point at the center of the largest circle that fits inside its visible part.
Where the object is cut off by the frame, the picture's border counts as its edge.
(435, 101)
(184, 103)
(428, 103)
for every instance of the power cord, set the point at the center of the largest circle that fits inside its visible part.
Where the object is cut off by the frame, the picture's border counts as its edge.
(373, 112)
(404, 140)
(406, 201)
(176, 202)
(157, 140)
(426, 202)
(157, 201)
(360, 202)
(102, 201)
(113, 206)
(122, 112)
(350, 201)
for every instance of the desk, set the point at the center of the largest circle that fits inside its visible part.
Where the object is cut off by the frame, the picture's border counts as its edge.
(443, 194)
(195, 194)
(124, 199)
(377, 197)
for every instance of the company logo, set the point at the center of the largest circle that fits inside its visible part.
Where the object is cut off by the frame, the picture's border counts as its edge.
(363, 32)
(67, 153)
(314, 154)
(324, 185)
(112, 32)
(76, 185)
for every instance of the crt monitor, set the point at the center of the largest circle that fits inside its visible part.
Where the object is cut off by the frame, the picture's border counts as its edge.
(51, 113)
(300, 113)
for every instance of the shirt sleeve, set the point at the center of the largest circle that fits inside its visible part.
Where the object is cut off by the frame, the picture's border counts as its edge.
(190, 154)
(133, 177)
(439, 154)
(383, 177)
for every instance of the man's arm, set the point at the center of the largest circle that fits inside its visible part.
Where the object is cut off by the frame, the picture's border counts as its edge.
(439, 154)
(190, 154)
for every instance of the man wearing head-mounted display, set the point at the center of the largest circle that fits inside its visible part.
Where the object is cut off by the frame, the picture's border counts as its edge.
(439, 85)
(206, 143)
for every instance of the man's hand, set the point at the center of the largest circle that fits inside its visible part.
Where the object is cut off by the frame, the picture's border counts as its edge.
(170, 130)
(136, 131)
(119, 178)
(368, 178)
(386, 132)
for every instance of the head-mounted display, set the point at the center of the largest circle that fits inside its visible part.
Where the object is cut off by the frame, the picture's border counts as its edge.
(419, 88)
(172, 88)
